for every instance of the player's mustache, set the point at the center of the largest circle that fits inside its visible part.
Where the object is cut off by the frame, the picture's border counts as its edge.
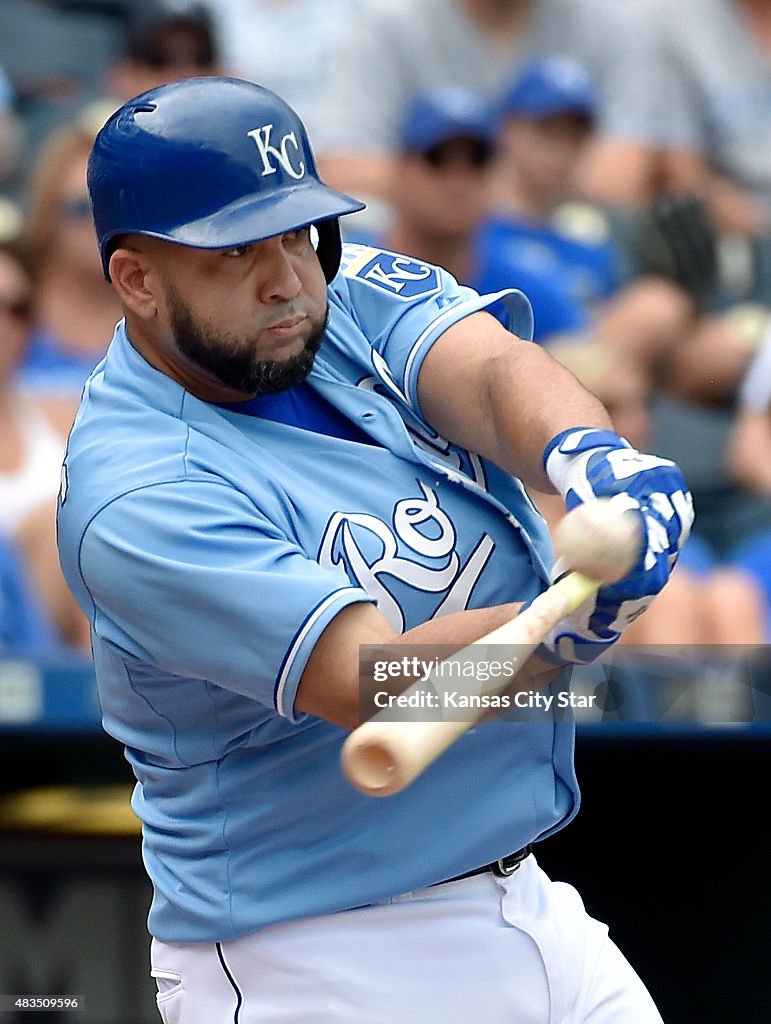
(288, 312)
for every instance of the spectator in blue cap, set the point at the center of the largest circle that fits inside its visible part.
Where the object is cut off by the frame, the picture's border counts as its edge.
(551, 86)
(447, 113)
(546, 118)
(547, 114)
(441, 192)
(441, 177)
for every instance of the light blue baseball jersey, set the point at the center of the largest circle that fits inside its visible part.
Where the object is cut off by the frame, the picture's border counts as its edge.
(211, 548)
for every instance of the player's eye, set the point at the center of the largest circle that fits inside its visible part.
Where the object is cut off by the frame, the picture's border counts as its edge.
(237, 251)
(298, 235)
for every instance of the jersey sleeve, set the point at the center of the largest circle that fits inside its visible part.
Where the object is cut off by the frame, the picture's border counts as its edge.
(191, 577)
(402, 305)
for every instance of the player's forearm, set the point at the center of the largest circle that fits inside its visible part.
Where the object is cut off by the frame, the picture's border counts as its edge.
(460, 628)
(330, 685)
(451, 633)
(501, 398)
(525, 419)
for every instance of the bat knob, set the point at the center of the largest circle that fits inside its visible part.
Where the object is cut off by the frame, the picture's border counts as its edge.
(370, 766)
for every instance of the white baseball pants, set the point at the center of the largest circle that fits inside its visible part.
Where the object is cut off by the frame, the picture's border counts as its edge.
(484, 950)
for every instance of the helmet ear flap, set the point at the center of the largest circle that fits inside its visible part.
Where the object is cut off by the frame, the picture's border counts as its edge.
(330, 247)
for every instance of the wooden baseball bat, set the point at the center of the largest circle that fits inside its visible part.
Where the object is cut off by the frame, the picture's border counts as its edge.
(382, 757)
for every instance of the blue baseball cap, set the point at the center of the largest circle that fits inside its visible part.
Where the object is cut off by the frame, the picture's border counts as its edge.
(552, 85)
(450, 112)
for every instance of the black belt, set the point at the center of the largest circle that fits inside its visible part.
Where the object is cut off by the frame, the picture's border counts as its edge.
(502, 868)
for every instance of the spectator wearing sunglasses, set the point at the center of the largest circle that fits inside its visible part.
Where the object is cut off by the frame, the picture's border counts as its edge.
(76, 309)
(35, 604)
(164, 42)
(440, 193)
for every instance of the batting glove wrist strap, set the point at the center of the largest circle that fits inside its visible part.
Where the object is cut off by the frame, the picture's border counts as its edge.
(573, 640)
(564, 646)
(567, 456)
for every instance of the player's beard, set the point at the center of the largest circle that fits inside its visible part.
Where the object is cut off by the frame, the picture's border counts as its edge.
(231, 359)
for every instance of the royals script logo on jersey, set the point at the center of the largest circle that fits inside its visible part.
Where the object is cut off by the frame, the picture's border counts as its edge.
(418, 550)
(271, 154)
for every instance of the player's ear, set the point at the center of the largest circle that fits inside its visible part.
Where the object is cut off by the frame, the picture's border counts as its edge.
(131, 278)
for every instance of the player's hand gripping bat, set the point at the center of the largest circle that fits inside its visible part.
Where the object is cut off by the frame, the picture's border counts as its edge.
(595, 540)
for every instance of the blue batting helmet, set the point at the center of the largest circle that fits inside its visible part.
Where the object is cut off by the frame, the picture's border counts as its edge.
(211, 163)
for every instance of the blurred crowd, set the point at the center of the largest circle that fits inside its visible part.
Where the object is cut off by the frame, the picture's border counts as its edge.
(612, 160)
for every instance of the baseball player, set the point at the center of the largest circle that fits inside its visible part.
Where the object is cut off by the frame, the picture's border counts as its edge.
(288, 452)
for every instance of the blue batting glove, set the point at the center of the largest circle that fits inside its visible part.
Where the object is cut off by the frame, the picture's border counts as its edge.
(585, 463)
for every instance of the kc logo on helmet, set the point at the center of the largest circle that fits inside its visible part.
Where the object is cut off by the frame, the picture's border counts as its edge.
(270, 153)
